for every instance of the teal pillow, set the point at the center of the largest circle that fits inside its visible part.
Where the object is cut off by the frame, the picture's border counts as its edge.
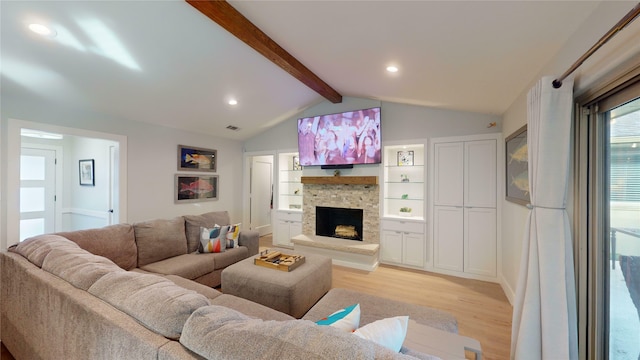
(347, 319)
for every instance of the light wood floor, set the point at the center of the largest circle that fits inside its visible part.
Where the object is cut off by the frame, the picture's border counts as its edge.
(482, 309)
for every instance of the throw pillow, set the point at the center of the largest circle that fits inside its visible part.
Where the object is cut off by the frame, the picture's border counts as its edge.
(232, 236)
(389, 332)
(213, 240)
(347, 319)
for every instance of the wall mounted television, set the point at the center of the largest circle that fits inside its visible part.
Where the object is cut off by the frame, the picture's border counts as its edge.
(340, 140)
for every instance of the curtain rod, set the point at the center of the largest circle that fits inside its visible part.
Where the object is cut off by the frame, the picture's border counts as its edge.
(626, 20)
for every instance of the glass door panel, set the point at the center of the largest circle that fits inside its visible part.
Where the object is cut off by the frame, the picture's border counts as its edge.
(37, 192)
(623, 293)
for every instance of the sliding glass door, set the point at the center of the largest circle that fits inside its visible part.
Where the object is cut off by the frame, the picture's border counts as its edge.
(623, 270)
(607, 224)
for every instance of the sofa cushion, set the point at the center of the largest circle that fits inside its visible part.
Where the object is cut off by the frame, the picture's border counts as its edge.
(115, 242)
(230, 256)
(35, 249)
(156, 302)
(189, 266)
(207, 291)
(250, 308)
(194, 222)
(78, 267)
(160, 239)
(217, 332)
(374, 307)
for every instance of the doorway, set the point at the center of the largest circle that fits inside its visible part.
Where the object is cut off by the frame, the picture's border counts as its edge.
(261, 193)
(33, 217)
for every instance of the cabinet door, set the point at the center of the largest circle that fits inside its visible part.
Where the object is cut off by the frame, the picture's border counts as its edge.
(448, 233)
(282, 232)
(480, 250)
(391, 246)
(448, 174)
(413, 249)
(295, 229)
(480, 173)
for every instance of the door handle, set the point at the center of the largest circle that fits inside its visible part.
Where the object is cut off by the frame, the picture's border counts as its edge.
(110, 211)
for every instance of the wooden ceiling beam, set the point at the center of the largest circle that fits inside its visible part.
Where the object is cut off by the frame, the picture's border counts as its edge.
(233, 21)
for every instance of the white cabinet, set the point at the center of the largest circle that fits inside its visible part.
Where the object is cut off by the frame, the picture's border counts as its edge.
(288, 225)
(402, 243)
(464, 206)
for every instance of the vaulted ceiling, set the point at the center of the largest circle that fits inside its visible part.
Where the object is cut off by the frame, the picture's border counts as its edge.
(166, 63)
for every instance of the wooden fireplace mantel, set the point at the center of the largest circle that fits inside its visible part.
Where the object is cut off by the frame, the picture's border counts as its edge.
(340, 180)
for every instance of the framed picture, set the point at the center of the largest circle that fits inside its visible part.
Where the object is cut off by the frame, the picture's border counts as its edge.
(87, 172)
(197, 159)
(405, 158)
(296, 163)
(517, 167)
(196, 188)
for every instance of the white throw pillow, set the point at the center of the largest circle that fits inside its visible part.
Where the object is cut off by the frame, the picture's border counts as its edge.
(389, 332)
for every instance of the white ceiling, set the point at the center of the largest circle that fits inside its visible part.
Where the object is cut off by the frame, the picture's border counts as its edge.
(163, 62)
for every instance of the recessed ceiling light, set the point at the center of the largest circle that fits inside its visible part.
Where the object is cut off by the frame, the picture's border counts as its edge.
(392, 69)
(233, 102)
(42, 30)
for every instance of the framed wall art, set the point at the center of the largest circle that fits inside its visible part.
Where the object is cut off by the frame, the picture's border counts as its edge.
(87, 172)
(197, 159)
(405, 158)
(196, 188)
(296, 163)
(517, 167)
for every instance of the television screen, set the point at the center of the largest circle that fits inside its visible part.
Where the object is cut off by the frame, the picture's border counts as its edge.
(351, 137)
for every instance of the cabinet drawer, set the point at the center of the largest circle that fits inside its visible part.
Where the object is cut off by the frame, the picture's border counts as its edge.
(403, 226)
(289, 216)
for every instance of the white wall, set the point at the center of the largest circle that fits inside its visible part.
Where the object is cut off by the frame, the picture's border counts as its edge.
(399, 123)
(151, 158)
(606, 61)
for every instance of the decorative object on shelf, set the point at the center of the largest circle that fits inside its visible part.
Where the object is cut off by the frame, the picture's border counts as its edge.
(296, 163)
(336, 172)
(196, 188)
(196, 159)
(405, 211)
(405, 196)
(87, 172)
(295, 206)
(517, 167)
(405, 158)
(404, 178)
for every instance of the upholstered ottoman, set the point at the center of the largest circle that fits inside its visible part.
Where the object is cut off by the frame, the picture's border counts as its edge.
(293, 292)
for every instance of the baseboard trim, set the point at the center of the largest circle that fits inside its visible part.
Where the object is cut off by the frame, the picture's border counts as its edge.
(508, 291)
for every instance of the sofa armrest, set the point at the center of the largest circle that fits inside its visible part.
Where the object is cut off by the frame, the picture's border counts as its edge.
(250, 239)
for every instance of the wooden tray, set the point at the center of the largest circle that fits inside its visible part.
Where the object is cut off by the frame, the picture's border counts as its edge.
(278, 260)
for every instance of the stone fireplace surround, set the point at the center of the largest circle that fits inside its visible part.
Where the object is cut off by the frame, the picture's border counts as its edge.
(357, 254)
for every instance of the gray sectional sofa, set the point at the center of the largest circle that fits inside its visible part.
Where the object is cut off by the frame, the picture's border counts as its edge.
(134, 292)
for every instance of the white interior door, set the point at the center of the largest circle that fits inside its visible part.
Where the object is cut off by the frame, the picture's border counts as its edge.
(261, 192)
(114, 203)
(37, 191)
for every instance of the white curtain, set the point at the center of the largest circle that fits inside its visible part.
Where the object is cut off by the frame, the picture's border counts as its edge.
(544, 315)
